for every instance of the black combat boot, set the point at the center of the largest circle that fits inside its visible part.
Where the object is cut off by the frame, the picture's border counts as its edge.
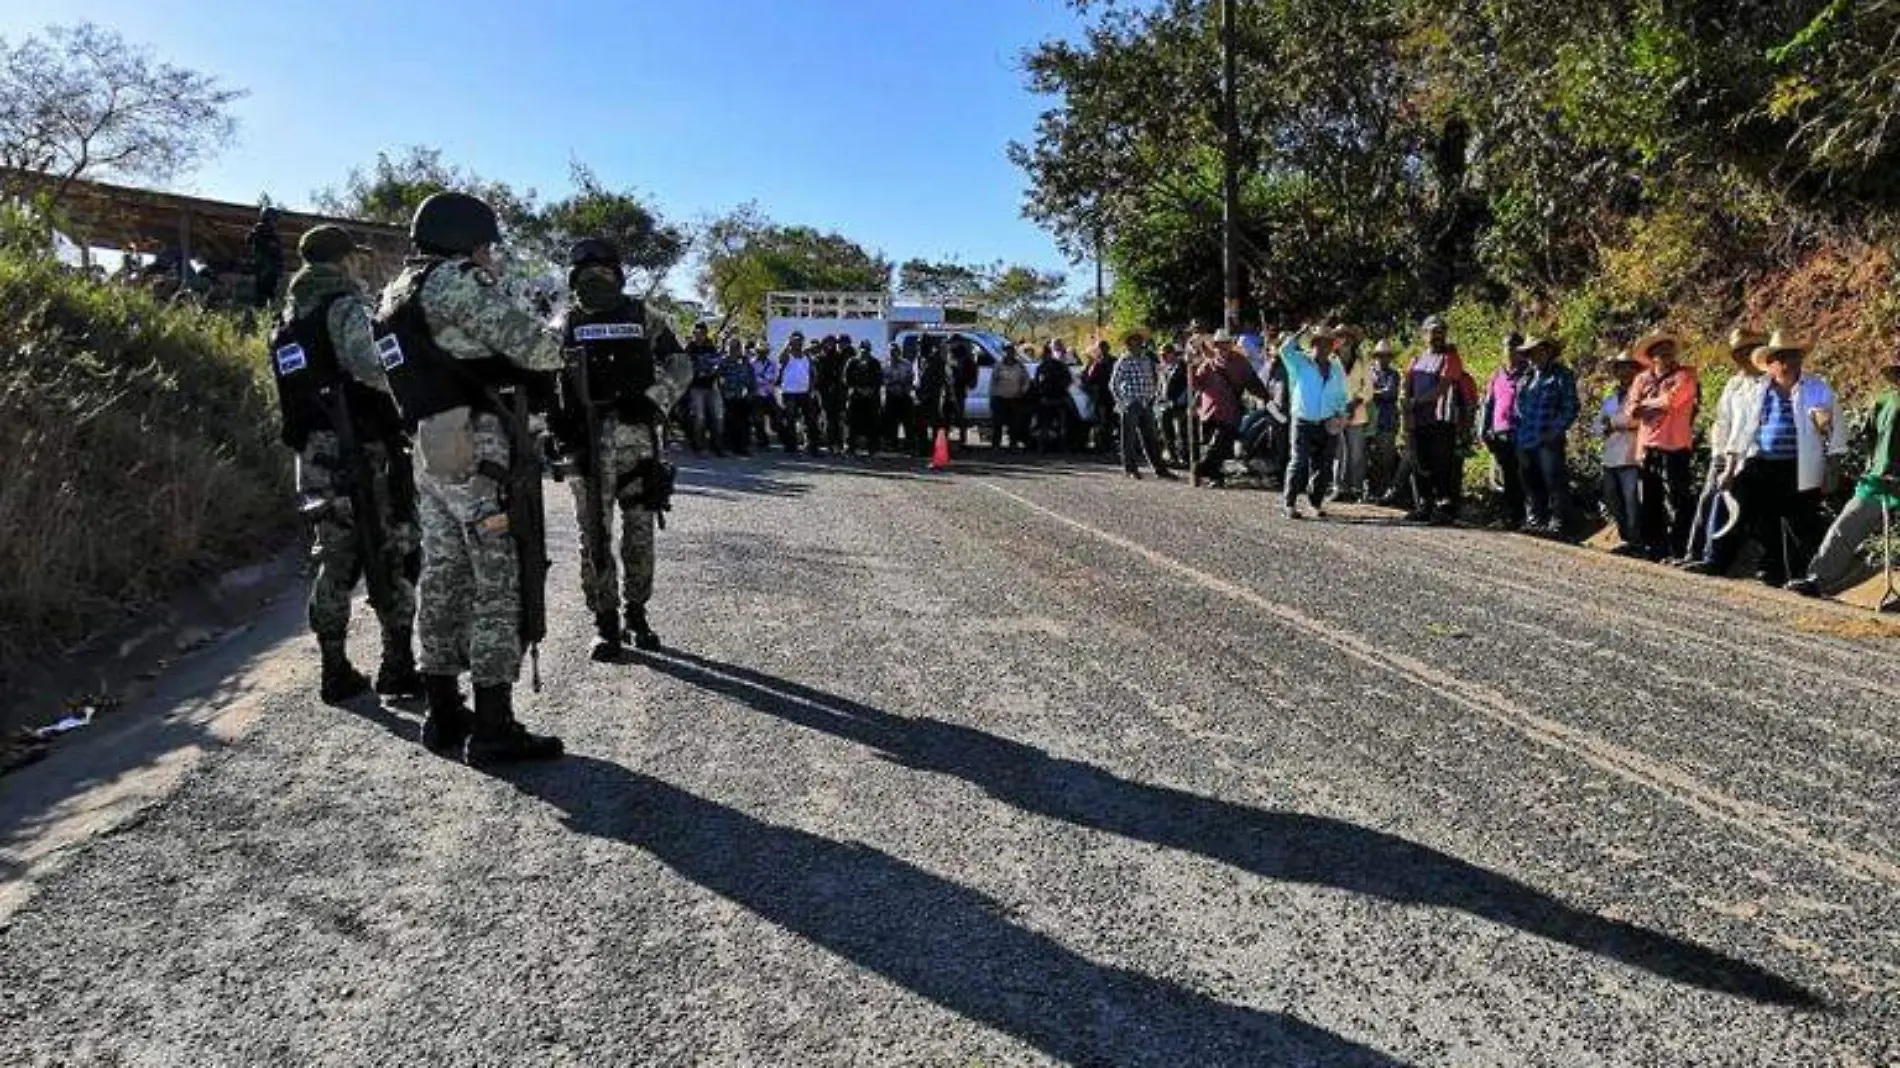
(340, 680)
(643, 637)
(446, 729)
(608, 647)
(498, 738)
(398, 677)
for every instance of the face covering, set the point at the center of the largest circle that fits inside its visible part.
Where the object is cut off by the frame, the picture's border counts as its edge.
(597, 288)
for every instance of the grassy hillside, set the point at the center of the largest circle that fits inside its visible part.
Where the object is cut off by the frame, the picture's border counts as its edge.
(138, 452)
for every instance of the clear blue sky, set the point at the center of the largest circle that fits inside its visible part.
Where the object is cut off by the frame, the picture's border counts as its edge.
(886, 121)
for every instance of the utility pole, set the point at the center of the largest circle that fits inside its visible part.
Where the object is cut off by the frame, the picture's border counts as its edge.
(1230, 169)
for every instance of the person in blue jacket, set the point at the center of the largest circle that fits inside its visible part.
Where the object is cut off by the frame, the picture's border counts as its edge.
(1317, 413)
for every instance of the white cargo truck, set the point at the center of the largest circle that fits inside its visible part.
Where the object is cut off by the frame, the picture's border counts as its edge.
(874, 317)
(881, 320)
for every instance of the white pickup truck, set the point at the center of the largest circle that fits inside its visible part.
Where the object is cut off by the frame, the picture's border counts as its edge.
(989, 352)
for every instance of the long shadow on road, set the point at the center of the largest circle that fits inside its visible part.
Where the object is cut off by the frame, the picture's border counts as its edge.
(943, 941)
(1291, 846)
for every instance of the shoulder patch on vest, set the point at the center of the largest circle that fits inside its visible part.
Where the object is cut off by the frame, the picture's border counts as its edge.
(389, 352)
(291, 359)
(610, 332)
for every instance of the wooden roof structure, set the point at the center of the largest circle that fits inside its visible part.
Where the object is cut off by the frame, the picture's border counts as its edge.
(96, 215)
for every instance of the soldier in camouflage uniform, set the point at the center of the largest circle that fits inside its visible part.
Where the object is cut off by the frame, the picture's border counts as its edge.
(449, 339)
(324, 351)
(636, 371)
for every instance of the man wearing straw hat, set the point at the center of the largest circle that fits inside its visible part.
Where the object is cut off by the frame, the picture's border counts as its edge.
(1133, 382)
(1354, 441)
(1663, 401)
(1382, 457)
(1875, 500)
(1432, 397)
(1547, 407)
(1793, 428)
(1220, 375)
(1319, 403)
(1622, 492)
(1731, 413)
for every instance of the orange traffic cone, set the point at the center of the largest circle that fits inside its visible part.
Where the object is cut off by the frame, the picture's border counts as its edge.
(940, 456)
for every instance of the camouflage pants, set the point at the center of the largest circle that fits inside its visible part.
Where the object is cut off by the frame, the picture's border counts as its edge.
(626, 446)
(470, 594)
(338, 558)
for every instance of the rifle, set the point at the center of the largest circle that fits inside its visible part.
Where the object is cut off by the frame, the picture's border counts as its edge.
(656, 476)
(577, 387)
(359, 503)
(527, 519)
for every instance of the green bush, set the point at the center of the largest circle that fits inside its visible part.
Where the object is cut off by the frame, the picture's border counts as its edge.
(1479, 329)
(138, 451)
(23, 232)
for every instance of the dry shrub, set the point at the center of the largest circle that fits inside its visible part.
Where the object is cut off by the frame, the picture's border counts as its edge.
(138, 452)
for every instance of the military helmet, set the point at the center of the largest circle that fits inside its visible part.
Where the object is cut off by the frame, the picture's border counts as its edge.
(328, 243)
(593, 252)
(454, 224)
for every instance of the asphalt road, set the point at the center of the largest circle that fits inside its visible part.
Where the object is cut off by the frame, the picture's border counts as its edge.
(1021, 765)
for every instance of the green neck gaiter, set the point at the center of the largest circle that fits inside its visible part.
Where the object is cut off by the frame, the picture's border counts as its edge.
(597, 289)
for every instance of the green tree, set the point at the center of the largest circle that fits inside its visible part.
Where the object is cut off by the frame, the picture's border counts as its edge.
(743, 256)
(942, 281)
(648, 245)
(390, 190)
(1019, 297)
(1397, 153)
(1835, 86)
(1332, 191)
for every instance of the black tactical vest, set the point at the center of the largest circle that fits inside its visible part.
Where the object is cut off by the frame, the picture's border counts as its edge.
(619, 358)
(426, 379)
(305, 366)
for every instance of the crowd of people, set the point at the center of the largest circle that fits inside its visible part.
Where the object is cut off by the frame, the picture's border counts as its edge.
(1320, 416)
(421, 471)
(837, 396)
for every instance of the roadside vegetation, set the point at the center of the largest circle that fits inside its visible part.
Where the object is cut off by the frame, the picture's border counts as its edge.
(1587, 170)
(138, 450)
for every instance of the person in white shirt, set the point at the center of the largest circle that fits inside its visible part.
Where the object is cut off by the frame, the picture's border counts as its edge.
(1781, 456)
(797, 403)
(1622, 478)
(1730, 412)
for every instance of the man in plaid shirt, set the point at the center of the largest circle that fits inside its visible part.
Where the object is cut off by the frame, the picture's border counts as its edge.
(1134, 384)
(1544, 410)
